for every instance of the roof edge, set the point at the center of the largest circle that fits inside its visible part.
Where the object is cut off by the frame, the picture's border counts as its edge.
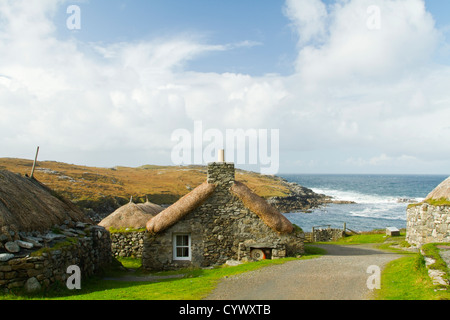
(266, 212)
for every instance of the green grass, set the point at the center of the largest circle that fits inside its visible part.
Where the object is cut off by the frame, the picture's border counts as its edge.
(376, 237)
(431, 250)
(433, 202)
(407, 279)
(125, 230)
(194, 285)
(363, 239)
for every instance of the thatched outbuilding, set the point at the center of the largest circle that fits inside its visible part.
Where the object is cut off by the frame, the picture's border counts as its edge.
(131, 215)
(28, 205)
(220, 220)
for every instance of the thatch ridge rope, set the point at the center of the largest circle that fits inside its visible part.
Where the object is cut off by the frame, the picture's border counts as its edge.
(181, 208)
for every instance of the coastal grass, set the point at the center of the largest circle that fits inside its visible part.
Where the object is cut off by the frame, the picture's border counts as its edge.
(193, 284)
(407, 279)
(372, 237)
(433, 202)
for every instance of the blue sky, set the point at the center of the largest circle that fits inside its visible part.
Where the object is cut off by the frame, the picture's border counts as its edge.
(263, 23)
(346, 97)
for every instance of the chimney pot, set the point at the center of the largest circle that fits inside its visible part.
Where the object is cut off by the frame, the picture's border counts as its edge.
(221, 156)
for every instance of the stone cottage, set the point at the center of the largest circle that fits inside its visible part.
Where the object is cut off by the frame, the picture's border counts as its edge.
(429, 221)
(220, 220)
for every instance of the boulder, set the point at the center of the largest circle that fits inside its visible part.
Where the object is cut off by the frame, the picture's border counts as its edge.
(32, 285)
(25, 244)
(12, 247)
(6, 257)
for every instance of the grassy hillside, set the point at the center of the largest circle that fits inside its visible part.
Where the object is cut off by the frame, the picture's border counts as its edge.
(104, 189)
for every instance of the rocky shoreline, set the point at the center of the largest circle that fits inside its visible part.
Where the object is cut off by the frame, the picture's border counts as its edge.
(301, 199)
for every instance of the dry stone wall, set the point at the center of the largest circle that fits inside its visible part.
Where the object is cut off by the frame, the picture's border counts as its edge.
(427, 223)
(36, 260)
(326, 235)
(127, 244)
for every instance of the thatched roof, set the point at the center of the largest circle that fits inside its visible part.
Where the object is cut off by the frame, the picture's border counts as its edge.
(150, 208)
(181, 208)
(31, 206)
(131, 215)
(442, 191)
(271, 216)
(195, 198)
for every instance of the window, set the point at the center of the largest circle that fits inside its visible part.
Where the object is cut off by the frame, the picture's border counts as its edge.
(181, 247)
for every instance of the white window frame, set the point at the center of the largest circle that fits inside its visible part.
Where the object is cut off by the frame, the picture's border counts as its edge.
(175, 246)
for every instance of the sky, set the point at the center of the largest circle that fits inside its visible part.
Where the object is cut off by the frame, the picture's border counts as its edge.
(337, 86)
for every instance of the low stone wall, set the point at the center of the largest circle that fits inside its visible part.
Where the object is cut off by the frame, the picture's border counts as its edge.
(45, 262)
(127, 244)
(325, 235)
(427, 223)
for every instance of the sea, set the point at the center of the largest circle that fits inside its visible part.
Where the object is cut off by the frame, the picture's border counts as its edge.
(380, 201)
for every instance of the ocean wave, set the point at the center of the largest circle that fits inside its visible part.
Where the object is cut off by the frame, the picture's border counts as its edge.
(378, 212)
(358, 197)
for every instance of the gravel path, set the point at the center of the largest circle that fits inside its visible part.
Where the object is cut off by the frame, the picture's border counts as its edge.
(339, 275)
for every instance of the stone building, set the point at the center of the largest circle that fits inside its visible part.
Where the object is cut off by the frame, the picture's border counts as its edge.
(220, 220)
(429, 221)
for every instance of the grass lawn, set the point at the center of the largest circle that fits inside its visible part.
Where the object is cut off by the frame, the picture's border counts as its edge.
(195, 284)
(407, 279)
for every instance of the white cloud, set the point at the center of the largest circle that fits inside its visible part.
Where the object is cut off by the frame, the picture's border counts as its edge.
(308, 18)
(353, 89)
(351, 51)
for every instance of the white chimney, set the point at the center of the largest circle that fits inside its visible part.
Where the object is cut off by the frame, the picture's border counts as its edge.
(221, 157)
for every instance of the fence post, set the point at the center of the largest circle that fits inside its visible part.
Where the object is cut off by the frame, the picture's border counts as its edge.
(34, 163)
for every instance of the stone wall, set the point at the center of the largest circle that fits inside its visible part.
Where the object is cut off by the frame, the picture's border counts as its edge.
(221, 229)
(427, 223)
(127, 244)
(44, 258)
(325, 235)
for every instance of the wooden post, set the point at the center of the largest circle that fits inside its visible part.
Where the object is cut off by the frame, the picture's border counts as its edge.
(34, 163)
(313, 238)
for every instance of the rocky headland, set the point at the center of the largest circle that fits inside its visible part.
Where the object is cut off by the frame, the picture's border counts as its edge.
(301, 199)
